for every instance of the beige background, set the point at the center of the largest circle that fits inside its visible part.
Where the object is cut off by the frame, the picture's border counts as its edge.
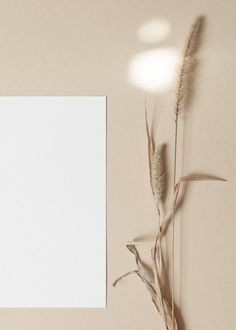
(84, 47)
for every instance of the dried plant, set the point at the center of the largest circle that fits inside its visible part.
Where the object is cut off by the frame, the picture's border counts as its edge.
(157, 174)
(186, 71)
(157, 170)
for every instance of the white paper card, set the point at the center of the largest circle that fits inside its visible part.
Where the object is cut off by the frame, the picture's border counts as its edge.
(52, 201)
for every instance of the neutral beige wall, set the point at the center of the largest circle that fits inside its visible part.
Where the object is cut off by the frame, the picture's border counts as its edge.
(83, 47)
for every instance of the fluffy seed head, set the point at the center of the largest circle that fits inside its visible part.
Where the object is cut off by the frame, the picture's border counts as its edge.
(158, 173)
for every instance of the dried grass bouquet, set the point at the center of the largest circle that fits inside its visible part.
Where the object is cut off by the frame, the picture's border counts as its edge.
(155, 284)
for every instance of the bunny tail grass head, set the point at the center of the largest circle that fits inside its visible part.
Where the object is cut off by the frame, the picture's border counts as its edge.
(158, 173)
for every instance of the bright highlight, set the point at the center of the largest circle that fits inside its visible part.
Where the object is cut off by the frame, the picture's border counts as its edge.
(154, 31)
(154, 70)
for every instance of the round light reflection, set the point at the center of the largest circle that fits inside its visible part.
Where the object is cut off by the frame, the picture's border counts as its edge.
(154, 70)
(154, 31)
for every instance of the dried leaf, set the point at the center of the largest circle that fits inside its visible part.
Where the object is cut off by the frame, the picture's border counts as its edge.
(149, 285)
(200, 177)
(158, 299)
(123, 276)
(161, 304)
(132, 248)
(150, 148)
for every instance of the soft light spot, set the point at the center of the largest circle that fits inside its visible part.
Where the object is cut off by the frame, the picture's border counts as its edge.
(154, 70)
(154, 31)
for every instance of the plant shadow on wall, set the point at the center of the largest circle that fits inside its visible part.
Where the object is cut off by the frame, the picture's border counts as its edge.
(160, 279)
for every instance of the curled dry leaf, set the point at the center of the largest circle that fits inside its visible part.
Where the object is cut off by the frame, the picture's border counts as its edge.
(123, 276)
(132, 248)
(157, 298)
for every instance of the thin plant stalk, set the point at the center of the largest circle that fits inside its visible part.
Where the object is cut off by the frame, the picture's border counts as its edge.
(151, 147)
(182, 96)
(158, 275)
(173, 222)
(158, 240)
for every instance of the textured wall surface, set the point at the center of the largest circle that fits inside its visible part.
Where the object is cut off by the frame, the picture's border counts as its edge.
(84, 47)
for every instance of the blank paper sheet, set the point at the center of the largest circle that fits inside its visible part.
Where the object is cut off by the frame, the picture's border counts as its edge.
(52, 201)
